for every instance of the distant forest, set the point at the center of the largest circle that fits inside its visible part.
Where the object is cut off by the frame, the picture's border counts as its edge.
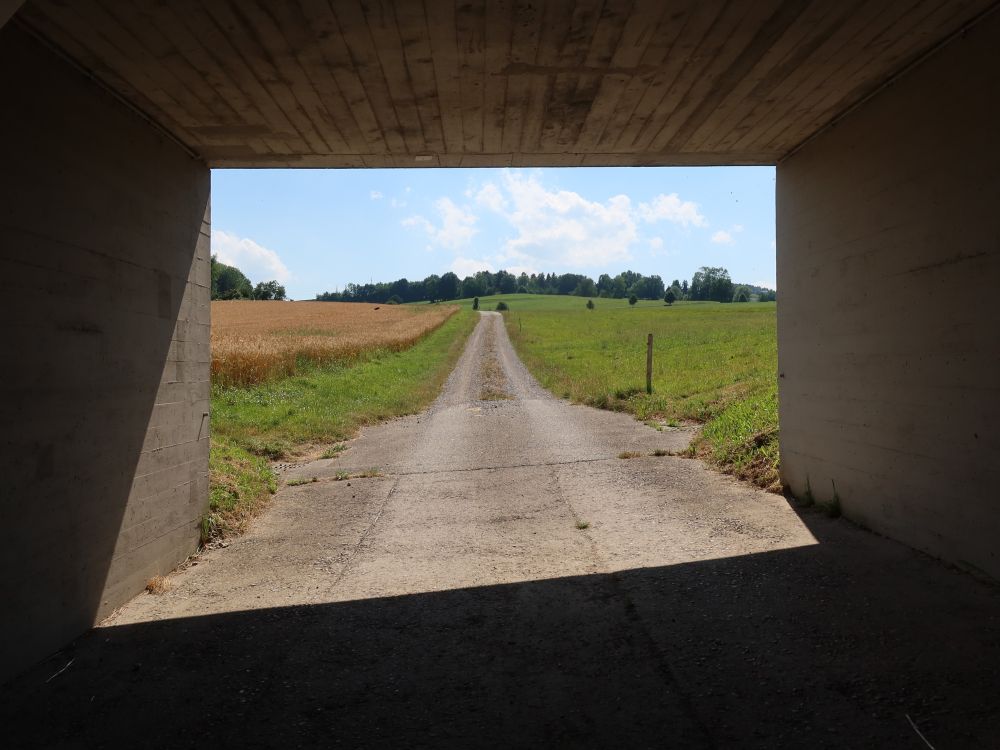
(708, 284)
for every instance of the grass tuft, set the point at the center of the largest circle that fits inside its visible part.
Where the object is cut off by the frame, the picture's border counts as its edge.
(158, 585)
(630, 454)
(334, 451)
(366, 474)
(808, 500)
(581, 525)
(832, 508)
(241, 484)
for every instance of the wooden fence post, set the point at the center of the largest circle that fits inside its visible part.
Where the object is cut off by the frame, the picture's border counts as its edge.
(649, 363)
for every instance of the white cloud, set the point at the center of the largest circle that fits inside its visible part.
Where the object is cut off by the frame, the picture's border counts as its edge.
(657, 248)
(559, 228)
(671, 208)
(375, 195)
(457, 226)
(726, 237)
(420, 222)
(549, 228)
(256, 261)
(396, 203)
(469, 267)
(491, 197)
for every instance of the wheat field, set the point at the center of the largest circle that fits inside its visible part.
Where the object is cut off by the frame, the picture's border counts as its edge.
(255, 341)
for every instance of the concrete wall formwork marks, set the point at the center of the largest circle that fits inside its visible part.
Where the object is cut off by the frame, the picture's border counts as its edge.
(888, 344)
(104, 243)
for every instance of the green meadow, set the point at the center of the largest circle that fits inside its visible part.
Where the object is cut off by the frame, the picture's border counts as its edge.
(714, 364)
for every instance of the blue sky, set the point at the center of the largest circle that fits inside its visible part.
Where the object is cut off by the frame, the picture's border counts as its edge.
(317, 230)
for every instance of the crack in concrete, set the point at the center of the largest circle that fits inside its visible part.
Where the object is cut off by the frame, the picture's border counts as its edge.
(470, 469)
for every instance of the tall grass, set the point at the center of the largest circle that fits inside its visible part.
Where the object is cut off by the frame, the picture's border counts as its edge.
(256, 342)
(241, 484)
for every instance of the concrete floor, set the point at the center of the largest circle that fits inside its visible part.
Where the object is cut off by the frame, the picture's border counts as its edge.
(453, 601)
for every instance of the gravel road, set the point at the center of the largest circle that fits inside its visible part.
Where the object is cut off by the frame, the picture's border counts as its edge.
(509, 581)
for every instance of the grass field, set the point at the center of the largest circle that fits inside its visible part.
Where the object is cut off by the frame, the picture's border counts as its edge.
(327, 399)
(715, 364)
(253, 342)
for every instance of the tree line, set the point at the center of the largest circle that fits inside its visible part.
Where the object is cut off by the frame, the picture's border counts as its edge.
(709, 284)
(229, 282)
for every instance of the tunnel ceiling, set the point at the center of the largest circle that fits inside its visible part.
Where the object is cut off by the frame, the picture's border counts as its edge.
(348, 84)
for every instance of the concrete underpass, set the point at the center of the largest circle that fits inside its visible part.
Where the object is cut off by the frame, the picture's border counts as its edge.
(880, 117)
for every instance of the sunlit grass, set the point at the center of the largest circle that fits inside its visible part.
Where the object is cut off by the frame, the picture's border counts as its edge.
(323, 405)
(327, 404)
(241, 484)
(714, 364)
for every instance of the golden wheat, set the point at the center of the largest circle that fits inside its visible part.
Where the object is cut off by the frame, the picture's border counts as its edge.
(257, 341)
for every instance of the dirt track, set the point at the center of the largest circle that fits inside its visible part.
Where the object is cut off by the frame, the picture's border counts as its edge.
(454, 601)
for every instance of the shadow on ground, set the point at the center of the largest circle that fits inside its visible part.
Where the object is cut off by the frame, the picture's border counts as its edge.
(795, 648)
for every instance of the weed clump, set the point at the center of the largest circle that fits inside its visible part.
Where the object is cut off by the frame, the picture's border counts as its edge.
(629, 454)
(502, 306)
(832, 508)
(241, 484)
(158, 585)
(366, 474)
(334, 451)
(808, 500)
(623, 394)
(581, 525)
(271, 449)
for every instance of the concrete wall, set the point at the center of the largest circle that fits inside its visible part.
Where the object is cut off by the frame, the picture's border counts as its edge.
(104, 386)
(889, 286)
